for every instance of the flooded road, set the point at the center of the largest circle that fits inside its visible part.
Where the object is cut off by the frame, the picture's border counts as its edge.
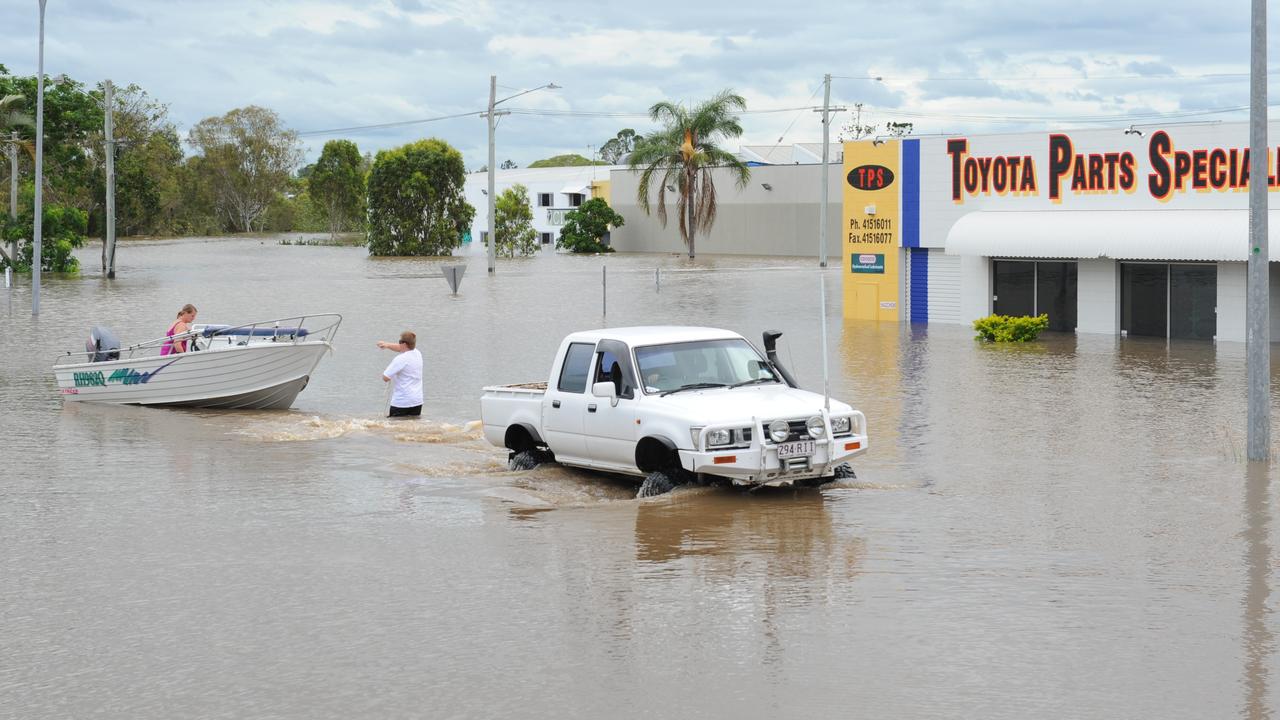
(1065, 529)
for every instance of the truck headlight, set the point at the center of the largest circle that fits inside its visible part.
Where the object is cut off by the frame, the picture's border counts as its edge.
(719, 437)
(816, 427)
(779, 431)
(840, 425)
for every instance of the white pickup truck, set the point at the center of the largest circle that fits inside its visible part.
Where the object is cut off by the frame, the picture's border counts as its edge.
(674, 405)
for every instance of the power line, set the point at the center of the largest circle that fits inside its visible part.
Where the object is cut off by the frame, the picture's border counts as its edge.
(380, 126)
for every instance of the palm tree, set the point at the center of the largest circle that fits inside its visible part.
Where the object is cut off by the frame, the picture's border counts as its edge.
(682, 156)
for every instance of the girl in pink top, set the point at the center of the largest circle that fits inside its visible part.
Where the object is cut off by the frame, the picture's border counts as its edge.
(186, 316)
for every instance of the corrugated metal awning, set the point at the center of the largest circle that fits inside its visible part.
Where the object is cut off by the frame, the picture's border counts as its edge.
(575, 189)
(1119, 234)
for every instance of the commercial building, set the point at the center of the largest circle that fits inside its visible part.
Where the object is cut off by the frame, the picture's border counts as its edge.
(1138, 231)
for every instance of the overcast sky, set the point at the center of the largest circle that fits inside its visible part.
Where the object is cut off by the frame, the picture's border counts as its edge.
(949, 67)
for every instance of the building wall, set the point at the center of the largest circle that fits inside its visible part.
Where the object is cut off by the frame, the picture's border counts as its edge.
(547, 219)
(749, 221)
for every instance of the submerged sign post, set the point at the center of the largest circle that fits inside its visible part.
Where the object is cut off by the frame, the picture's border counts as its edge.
(453, 274)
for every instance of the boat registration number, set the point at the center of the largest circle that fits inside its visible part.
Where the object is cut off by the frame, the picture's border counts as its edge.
(802, 448)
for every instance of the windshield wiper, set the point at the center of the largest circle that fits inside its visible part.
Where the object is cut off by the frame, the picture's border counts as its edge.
(753, 382)
(693, 386)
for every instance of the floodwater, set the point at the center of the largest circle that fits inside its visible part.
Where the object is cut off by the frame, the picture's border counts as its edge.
(1065, 529)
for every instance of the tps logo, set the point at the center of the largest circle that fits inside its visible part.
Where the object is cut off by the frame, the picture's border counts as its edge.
(870, 177)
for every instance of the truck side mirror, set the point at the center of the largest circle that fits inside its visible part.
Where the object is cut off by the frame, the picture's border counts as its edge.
(606, 390)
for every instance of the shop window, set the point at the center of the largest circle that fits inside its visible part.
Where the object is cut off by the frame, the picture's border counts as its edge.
(1027, 287)
(547, 238)
(1169, 300)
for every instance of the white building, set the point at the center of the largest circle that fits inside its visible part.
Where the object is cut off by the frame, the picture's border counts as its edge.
(552, 193)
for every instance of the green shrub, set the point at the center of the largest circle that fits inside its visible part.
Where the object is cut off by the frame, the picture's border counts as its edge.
(1007, 328)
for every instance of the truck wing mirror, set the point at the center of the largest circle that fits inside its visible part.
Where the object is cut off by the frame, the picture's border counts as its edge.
(606, 390)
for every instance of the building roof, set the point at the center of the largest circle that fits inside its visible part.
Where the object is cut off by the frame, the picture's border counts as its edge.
(578, 176)
(792, 154)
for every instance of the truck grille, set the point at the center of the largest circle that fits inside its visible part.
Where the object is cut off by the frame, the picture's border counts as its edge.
(799, 430)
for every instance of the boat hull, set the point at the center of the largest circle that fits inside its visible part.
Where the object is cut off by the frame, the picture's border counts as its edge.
(262, 375)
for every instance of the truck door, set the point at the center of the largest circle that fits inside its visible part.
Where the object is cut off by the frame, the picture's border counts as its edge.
(611, 430)
(565, 405)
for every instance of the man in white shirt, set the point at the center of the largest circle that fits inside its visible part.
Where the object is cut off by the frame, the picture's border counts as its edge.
(405, 374)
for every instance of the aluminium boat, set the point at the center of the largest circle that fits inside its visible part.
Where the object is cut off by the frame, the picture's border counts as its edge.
(259, 365)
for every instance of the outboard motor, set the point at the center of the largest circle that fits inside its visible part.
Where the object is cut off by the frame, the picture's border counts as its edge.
(103, 345)
(771, 352)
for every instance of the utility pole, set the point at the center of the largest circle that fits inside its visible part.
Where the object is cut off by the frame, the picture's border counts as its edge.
(1258, 311)
(37, 260)
(827, 112)
(109, 243)
(493, 95)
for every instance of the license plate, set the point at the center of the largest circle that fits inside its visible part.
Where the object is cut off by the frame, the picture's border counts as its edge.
(803, 448)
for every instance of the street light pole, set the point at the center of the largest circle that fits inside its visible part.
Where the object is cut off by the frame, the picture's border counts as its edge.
(37, 259)
(1258, 291)
(492, 116)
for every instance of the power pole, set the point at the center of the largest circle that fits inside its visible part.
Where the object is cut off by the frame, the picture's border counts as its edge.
(1258, 311)
(827, 112)
(493, 254)
(37, 260)
(109, 244)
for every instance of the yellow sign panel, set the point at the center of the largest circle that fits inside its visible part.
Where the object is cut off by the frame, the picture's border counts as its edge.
(871, 230)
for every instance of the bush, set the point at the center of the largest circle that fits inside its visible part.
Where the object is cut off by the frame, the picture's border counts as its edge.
(1007, 328)
(586, 225)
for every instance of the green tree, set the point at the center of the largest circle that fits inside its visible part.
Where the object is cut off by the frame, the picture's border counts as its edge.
(250, 156)
(416, 204)
(62, 230)
(569, 160)
(148, 153)
(507, 165)
(616, 149)
(12, 116)
(586, 225)
(513, 223)
(336, 184)
(683, 155)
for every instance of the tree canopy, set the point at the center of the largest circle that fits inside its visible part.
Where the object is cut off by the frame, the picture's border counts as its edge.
(416, 203)
(336, 184)
(683, 155)
(250, 155)
(513, 223)
(586, 225)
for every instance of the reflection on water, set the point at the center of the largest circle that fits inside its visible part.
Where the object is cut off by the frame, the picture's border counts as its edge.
(1259, 650)
(1023, 513)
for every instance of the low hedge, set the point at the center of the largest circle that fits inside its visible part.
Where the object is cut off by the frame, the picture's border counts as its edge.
(1009, 328)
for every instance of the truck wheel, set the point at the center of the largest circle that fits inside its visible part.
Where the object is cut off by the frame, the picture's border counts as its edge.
(844, 471)
(655, 483)
(523, 460)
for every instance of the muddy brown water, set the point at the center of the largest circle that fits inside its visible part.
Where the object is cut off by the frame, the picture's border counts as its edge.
(1065, 529)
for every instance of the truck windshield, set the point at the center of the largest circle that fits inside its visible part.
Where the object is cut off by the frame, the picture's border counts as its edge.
(705, 363)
